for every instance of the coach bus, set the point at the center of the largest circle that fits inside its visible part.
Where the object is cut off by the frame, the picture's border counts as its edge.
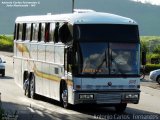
(85, 57)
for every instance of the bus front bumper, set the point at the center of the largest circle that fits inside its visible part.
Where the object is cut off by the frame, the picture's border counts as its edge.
(107, 97)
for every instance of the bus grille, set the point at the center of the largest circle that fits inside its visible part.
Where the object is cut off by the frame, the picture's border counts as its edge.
(108, 98)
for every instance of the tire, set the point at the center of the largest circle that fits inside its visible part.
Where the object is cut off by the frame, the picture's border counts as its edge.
(120, 108)
(3, 73)
(158, 79)
(64, 95)
(32, 87)
(27, 89)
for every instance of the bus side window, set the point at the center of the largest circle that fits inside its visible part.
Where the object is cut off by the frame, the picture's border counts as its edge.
(35, 32)
(31, 32)
(56, 35)
(20, 30)
(28, 31)
(51, 31)
(65, 34)
(42, 32)
(15, 31)
(47, 28)
(39, 32)
(24, 31)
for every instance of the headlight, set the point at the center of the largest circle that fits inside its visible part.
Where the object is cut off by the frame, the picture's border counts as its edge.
(86, 96)
(131, 96)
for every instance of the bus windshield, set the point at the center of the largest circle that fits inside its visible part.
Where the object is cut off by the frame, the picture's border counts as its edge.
(108, 58)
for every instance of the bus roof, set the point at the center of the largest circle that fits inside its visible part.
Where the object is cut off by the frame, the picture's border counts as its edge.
(91, 17)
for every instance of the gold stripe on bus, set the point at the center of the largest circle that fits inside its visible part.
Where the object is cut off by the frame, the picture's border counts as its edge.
(46, 76)
(22, 48)
(51, 77)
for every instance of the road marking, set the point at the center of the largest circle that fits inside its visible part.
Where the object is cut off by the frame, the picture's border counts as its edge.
(31, 109)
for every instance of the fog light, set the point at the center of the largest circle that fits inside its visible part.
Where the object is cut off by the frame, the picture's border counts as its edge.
(86, 96)
(131, 96)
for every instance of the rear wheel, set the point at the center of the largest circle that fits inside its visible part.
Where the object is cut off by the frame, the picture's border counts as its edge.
(120, 108)
(32, 87)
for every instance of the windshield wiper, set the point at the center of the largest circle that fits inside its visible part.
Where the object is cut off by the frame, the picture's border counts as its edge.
(99, 66)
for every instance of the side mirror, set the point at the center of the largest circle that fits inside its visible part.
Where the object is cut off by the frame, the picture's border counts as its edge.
(64, 33)
(143, 58)
(69, 56)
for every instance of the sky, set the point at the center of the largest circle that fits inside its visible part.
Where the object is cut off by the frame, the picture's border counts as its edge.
(152, 2)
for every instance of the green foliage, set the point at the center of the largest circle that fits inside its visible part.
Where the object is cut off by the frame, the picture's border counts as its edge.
(6, 43)
(156, 49)
(150, 67)
(144, 46)
(149, 38)
(152, 56)
(151, 45)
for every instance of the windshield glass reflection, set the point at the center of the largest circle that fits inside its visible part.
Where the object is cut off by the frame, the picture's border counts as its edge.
(124, 58)
(94, 58)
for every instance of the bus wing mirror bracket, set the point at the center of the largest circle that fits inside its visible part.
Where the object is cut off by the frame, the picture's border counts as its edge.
(143, 58)
(69, 57)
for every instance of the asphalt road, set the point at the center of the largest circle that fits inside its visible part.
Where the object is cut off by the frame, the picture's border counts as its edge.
(13, 100)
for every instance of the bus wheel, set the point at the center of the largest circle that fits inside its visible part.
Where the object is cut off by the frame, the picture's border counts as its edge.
(3, 73)
(120, 108)
(64, 96)
(32, 87)
(26, 88)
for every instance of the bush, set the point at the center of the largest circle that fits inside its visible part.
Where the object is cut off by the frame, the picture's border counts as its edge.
(144, 46)
(6, 43)
(152, 56)
(150, 67)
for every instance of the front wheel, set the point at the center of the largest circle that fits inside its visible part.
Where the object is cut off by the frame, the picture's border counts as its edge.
(120, 108)
(64, 96)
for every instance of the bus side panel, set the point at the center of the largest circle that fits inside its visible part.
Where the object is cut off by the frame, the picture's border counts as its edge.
(70, 91)
(46, 82)
(18, 71)
(54, 83)
(38, 79)
(18, 63)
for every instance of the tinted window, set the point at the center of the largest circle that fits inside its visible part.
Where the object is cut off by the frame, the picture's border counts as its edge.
(51, 33)
(28, 31)
(47, 36)
(106, 32)
(42, 32)
(20, 31)
(35, 32)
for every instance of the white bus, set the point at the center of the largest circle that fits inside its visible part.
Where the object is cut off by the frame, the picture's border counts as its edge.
(84, 57)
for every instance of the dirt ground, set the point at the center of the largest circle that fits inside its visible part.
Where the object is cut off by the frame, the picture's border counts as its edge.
(150, 83)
